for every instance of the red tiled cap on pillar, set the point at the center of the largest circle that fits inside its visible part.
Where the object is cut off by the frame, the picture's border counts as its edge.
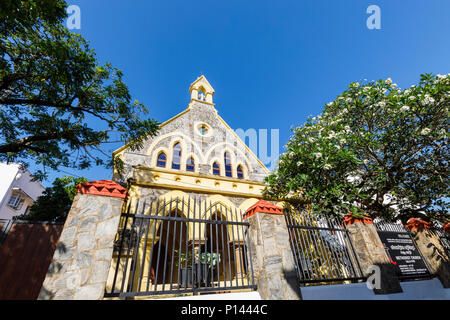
(417, 224)
(105, 188)
(446, 227)
(264, 207)
(350, 219)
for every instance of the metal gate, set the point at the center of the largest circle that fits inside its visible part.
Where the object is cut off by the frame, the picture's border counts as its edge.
(180, 247)
(323, 251)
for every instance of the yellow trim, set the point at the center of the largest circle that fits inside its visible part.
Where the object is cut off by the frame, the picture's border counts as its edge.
(198, 175)
(193, 189)
(160, 126)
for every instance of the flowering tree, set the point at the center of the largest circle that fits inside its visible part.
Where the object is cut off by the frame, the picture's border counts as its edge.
(376, 149)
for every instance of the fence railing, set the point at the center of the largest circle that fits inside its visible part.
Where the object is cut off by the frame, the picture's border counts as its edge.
(323, 251)
(402, 250)
(180, 247)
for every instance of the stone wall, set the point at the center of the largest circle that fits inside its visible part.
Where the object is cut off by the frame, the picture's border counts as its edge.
(370, 252)
(434, 254)
(273, 262)
(82, 258)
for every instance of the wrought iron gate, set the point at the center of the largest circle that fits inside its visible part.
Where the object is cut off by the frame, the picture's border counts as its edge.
(179, 247)
(323, 251)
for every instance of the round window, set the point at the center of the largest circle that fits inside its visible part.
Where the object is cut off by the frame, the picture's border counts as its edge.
(203, 129)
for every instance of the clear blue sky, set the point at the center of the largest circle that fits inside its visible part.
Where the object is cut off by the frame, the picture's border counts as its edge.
(272, 63)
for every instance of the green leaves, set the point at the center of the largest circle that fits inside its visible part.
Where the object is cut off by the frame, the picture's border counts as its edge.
(58, 105)
(55, 203)
(376, 146)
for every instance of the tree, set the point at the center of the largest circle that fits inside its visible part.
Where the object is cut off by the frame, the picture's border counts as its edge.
(58, 104)
(55, 202)
(376, 149)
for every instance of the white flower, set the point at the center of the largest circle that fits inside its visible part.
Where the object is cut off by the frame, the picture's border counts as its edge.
(327, 166)
(412, 98)
(291, 154)
(347, 129)
(394, 85)
(329, 104)
(299, 163)
(356, 85)
(318, 155)
(338, 147)
(348, 100)
(342, 141)
(366, 161)
(389, 80)
(407, 91)
(382, 104)
(425, 131)
(384, 90)
(366, 89)
(404, 108)
(311, 139)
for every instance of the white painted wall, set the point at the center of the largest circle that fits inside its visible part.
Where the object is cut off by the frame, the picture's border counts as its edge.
(412, 290)
(254, 295)
(12, 177)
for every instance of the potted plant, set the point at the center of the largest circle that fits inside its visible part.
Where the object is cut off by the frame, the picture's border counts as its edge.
(185, 262)
(205, 267)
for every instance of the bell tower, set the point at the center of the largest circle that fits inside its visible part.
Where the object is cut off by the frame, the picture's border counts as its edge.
(201, 90)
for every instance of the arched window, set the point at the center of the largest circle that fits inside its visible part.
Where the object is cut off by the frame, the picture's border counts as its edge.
(190, 164)
(176, 159)
(228, 169)
(240, 172)
(216, 169)
(161, 161)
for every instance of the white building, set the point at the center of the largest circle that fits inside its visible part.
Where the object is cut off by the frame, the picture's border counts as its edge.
(17, 191)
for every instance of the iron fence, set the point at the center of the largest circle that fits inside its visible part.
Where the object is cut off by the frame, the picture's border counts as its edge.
(180, 247)
(323, 251)
(402, 251)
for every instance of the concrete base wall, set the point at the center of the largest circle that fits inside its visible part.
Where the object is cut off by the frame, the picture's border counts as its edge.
(412, 290)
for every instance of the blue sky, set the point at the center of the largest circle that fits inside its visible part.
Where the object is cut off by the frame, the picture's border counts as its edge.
(272, 63)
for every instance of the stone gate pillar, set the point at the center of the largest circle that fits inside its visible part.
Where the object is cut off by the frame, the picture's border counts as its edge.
(370, 252)
(431, 249)
(272, 257)
(82, 258)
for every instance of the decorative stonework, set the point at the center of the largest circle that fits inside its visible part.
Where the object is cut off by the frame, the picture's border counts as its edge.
(82, 258)
(105, 188)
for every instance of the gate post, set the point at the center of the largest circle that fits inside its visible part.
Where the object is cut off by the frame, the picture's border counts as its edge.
(431, 249)
(272, 258)
(370, 252)
(82, 258)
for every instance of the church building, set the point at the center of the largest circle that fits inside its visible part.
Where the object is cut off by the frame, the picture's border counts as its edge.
(195, 154)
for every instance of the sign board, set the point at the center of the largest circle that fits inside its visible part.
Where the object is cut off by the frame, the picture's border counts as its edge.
(403, 253)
